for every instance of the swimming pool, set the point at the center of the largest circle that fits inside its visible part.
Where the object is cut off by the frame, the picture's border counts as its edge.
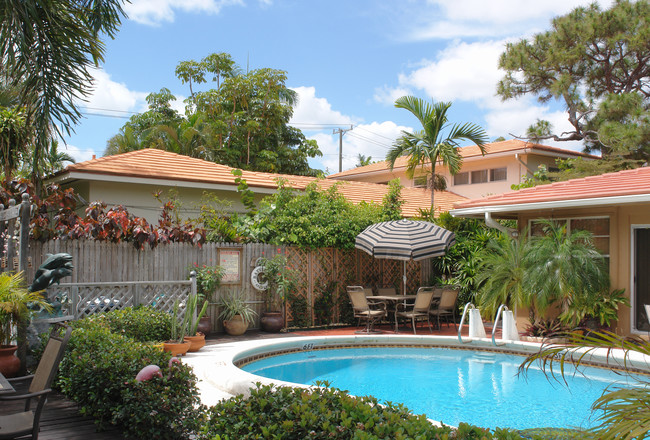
(448, 385)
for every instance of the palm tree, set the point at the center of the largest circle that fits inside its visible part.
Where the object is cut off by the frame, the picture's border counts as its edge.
(425, 147)
(625, 411)
(55, 160)
(503, 275)
(564, 266)
(47, 48)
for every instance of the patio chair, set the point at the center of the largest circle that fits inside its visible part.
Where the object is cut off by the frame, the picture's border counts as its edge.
(446, 306)
(365, 308)
(368, 291)
(418, 310)
(27, 421)
(386, 291)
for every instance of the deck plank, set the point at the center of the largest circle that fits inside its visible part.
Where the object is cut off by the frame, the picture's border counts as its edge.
(61, 420)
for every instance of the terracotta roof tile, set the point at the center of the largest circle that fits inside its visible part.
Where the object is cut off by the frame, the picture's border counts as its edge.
(159, 164)
(622, 183)
(511, 145)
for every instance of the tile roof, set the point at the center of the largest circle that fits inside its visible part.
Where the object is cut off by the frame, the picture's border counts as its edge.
(620, 184)
(164, 165)
(509, 146)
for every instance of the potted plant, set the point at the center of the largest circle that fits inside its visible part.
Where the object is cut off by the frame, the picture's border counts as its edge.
(176, 344)
(191, 323)
(236, 314)
(17, 304)
(280, 280)
(596, 311)
(208, 280)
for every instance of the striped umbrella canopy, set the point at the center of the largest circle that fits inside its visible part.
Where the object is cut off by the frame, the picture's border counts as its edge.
(405, 240)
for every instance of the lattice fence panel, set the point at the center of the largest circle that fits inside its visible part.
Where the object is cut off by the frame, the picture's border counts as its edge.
(392, 274)
(346, 269)
(298, 259)
(369, 270)
(323, 285)
(413, 276)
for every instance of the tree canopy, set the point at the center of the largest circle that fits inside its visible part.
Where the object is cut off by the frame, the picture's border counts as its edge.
(597, 62)
(242, 122)
(47, 50)
(436, 141)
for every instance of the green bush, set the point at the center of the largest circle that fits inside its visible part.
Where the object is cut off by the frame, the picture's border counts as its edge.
(98, 372)
(144, 324)
(320, 413)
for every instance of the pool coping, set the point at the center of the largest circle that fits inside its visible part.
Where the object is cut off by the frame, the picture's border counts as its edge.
(216, 366)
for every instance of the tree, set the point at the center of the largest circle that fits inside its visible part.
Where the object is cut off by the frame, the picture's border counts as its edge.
(363, 160)
(436, 141)
(47, 48)
(243, 123)
(598, 64)
(562, 266)
(502, 274)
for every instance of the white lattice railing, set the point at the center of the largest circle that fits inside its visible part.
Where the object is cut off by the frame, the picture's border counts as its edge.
(83, 299)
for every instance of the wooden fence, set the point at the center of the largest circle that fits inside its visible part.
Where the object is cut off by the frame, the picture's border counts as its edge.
(323, 273)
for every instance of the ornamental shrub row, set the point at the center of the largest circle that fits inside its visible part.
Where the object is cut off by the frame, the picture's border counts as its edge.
(144, 324)
(98, 372)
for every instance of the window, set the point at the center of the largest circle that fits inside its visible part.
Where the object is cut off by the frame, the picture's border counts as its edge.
(497, 174)
(480, 176)
(420, 182)
(461, 178)
(598, 226)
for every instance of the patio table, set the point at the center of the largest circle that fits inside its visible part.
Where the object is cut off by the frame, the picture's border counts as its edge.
(391, 301)
(5, 386)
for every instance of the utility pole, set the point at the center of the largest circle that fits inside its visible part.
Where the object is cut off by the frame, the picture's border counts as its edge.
(341, 132)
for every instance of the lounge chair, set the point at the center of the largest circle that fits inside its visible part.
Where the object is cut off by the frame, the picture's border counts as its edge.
(365, 308)
(27, 421)
(446, 306)
(418, 310)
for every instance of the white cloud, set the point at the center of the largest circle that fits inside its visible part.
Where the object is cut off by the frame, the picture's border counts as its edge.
(312, 110)
(388, 96)
(111, 95)
(155, 12)
(77, 153)
(446, 19)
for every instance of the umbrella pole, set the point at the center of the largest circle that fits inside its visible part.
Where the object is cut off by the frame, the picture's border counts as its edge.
(404, 279)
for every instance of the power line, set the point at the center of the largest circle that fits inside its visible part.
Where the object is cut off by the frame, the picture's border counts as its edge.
(372, 141)
(376, 134)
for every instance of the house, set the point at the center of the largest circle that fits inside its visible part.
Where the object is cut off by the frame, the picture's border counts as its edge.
(615, 207)
(131, 179)
(504, 164)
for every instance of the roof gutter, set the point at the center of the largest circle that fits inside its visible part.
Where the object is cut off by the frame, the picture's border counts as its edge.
(555, 204)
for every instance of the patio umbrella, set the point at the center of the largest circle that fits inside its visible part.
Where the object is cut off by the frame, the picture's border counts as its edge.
(405, 240)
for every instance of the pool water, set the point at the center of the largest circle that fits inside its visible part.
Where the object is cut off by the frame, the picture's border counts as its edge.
(452, 386)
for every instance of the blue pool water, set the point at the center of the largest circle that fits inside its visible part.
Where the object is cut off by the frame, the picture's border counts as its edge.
(452, 386)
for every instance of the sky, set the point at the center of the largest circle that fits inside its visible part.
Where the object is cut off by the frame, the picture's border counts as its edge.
(347, 59)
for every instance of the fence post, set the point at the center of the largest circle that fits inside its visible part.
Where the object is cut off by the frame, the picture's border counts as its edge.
(135, 293)
(193, 292)
(25, 209)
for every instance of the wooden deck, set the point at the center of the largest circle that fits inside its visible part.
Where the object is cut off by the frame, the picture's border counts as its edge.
(61, 420)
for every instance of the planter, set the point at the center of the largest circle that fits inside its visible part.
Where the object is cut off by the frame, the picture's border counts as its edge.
(236, 326)
(9, 362)
(272, 322)
(176, 348)
(196, 342)
(205, 325)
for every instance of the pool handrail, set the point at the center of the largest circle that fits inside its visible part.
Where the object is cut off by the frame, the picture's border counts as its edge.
(502, 307)
(462, 319)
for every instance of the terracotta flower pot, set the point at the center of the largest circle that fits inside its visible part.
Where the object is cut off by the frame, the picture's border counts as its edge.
(177, 348)
(196, 342)
(9, 362)
(236, 326)
(272, 322)
(205, 325)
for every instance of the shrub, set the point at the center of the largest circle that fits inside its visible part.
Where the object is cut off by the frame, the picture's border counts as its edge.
(98, 373)
(319, 413)
(144, 324)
